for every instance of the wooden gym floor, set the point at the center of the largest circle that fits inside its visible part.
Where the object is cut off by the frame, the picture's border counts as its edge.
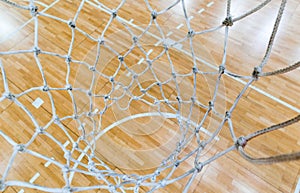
(269, 101)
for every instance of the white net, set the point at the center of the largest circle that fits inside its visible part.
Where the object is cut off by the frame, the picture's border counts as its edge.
(121, 89)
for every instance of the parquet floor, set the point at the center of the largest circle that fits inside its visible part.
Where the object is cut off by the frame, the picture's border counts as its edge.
(140, 145)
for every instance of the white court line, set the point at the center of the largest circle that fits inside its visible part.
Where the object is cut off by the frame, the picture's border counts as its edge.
(158, 42)
(48, 163)
(180, 26)
(21, 191)
(210, 4)
(297, 190)
(96, 111)
(141, 61)
(34, 177)
(170, 33)
(150, 51)
(66, 144)
(37, 102)
(117, 87)
(191, 17)
(131, 21)
(201, 10)
(128, 74)
(212, 66)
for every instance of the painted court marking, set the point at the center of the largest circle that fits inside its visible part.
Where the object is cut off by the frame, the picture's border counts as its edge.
(210, 4)
(201, 10)
(37, 102)
(141, 61)
(158, 42)
(170, 33)
(48, 163)
(180, 26)
(34, 178)
(66, 144)
(150, 51)
(21, 191)
(191, 17)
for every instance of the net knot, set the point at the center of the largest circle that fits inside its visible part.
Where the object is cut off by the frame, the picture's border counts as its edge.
(121, 58)
(173, 75)
(139, 182)
(92, 68)
(72, 24)
(36, 51)
(156, 102)
(125, 178)
(135, 39)
(91, 166)
(241, 142)
(112, 188)
(166, 47)
(90, 114)
(163, 183)
(2, 186)
(40, 130)
(101, 41)
(89, 93)
(211, 104)
(190, 33)
(199, 166)
(56, 120)
(75, 145)
(9, 96)
(227, 115)
(20, 148)
(149, 62)
(179, 99)
(177, 163)
(143, 91)
(195, 70)
(68, 59)
(65, 169)
(69, 87)
(45, 88)
(135, 98)
(153, 178)
(154, 14)
(75, 116)
(256, 72)
(228, 21)
(157, 172)
(67, 189)
(106, 97)
(114, 14)
(112, 79)
(33, 10)
(193, 99)
(221, 69)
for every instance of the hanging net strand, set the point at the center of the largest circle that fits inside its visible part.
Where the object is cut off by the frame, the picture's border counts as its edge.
(242, 142)
(91, 122)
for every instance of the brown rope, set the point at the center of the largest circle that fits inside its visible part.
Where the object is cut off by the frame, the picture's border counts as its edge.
(281, 71)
